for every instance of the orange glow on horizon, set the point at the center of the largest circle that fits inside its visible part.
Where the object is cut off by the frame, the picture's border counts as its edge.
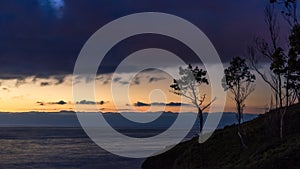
(25, 97)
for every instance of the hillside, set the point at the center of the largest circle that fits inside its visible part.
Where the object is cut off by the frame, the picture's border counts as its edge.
(223, 150)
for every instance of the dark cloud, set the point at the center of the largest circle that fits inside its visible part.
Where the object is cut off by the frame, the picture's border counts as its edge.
(141, 104)
(59, 79)
(155, 79)
(177, 104)
(61, 102)
(104, 79)
(44, 39)
(45, 84)
(117, 79)
(123, 82)
(120, 81)
(136, 81)
(87, 102)
(40, 103)
(20, 82)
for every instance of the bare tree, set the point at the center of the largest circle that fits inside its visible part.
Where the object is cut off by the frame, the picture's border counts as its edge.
(239, 81)
(189, 85)
(276, 58)
(268, 77)
(264, 50)
(284, 76)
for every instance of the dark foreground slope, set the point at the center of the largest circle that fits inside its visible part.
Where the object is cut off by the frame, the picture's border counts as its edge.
(223, 150)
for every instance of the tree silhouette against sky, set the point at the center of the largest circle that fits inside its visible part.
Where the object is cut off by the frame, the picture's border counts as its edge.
(240, 82)
(189, 86)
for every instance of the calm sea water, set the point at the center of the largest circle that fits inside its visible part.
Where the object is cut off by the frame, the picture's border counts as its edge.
(70, 148)
(65, 144)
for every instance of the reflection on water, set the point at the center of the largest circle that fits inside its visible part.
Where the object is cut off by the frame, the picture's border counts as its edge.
(60, 148)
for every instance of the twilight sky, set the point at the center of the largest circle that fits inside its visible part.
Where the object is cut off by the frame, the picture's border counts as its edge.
(40, 41)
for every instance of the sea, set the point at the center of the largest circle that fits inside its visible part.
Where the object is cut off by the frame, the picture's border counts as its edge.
(56, 140)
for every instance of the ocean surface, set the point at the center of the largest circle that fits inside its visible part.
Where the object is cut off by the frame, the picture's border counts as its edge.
(48, 148)
(57, 141)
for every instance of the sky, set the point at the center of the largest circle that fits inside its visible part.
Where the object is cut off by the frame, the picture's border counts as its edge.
(40, 41)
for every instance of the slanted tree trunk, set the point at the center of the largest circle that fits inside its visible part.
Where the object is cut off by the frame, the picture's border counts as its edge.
(200, 115)
(239, 116)
(284, 109)
(287, 94)
(280, 92)
(282, 114)
(201, 151)
(276, 95)
(281, 125)
(281, 109)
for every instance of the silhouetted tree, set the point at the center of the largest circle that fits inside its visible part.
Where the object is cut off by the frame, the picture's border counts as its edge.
(239, 81)
(291, 73)
(269, 51)
(284, 75)
(294, 62)
(188, 86)
(291, 70)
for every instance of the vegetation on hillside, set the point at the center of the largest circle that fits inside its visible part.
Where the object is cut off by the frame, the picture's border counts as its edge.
(223, 149)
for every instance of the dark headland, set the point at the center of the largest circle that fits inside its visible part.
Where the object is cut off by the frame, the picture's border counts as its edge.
(265, 149)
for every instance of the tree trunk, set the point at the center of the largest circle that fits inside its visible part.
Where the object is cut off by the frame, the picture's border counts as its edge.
(287, 95)
(239, 114)
(276, 95)
(282, 114)
(280, 92)
(281, 126)
(239, 125)
(200, 115)
(241, 139)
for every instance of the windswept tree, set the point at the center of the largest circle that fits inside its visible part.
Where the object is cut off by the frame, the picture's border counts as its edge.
(270, 51)
(239, 81)
(284, 78)
(294, 61)
(188, 86)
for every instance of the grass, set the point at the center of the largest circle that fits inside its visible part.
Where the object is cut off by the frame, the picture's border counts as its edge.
(223, 150)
